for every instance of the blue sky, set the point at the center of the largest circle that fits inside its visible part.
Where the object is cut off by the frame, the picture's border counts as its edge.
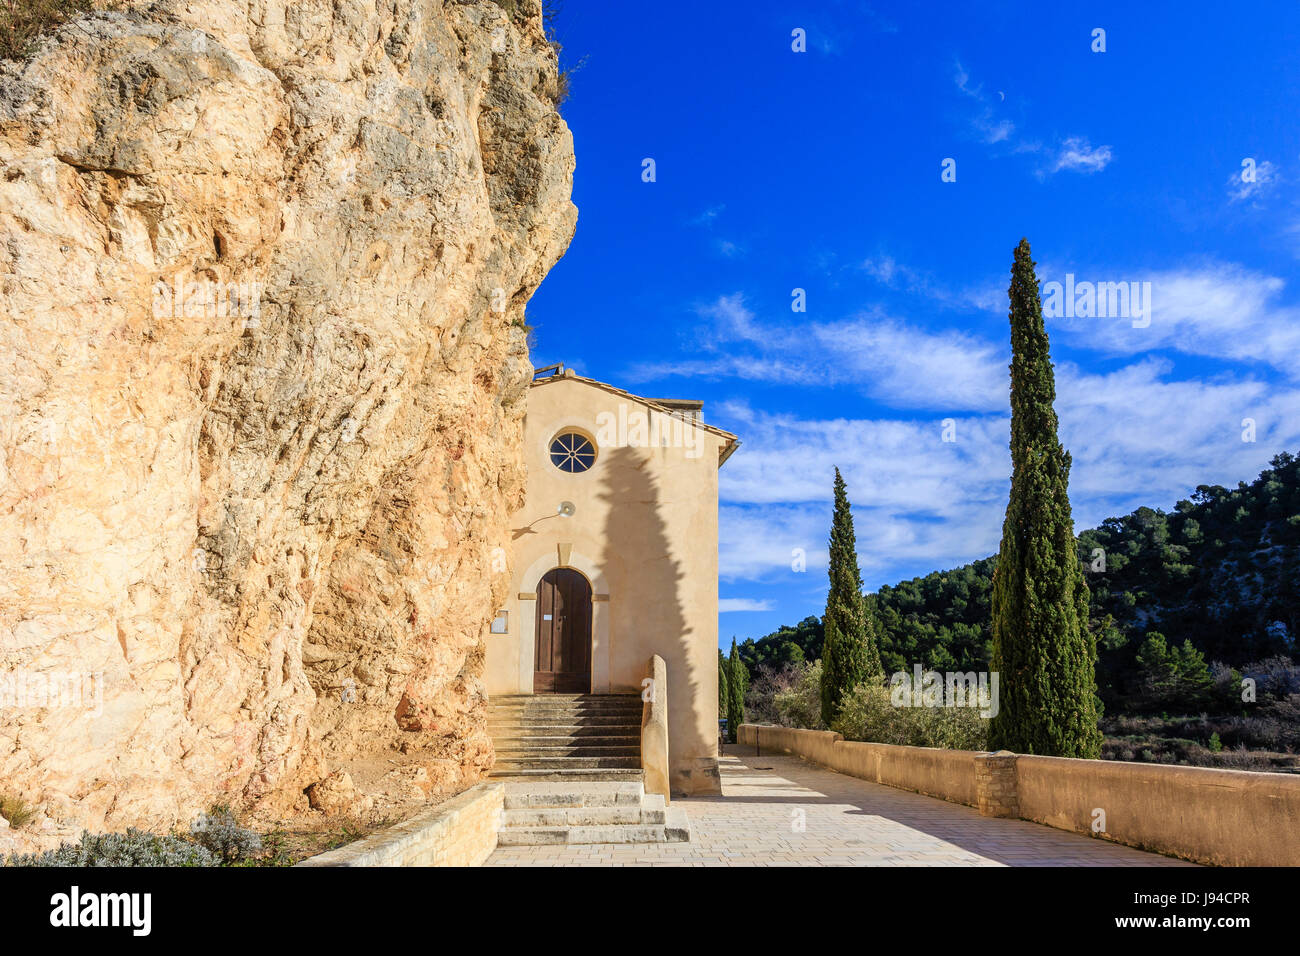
(821, 170)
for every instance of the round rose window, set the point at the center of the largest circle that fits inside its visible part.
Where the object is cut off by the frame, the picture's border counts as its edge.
(572, 452)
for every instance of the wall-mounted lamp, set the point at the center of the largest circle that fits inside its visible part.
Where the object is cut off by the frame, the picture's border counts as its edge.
(566, 509)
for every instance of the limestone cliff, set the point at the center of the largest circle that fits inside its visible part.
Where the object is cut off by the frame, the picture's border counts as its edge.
(263, 268)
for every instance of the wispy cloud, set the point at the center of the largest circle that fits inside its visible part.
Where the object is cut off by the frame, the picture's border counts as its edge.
(708, 216)
(1291, 232)
(1219, 310)
(895, 362)
(1140, 436)
(895, 275)
(727, 248)
(726, 605)
(1076, 154)
(1136, 435)
(728, 320)
(917, 498)
(1252, 181)
(908, 367)
(986, 123)
(1214, 309)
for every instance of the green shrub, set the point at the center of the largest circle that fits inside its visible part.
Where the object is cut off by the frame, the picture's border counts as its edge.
(800, 704)
(1215, 745)
(219, 832)
(132, 848)
(769, 680)
(869, 714)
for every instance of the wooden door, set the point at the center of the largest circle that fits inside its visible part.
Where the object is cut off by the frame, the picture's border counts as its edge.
(562, 651)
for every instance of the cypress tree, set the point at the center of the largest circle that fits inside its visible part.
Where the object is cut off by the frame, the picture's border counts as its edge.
(1043, 652)
(850, 655)
(737, 682)
(724, 694)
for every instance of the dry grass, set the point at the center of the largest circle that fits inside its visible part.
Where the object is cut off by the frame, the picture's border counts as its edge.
(290, 844)
(16, 810)
(23, 22)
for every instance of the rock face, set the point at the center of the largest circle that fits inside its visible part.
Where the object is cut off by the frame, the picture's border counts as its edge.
(263, 268)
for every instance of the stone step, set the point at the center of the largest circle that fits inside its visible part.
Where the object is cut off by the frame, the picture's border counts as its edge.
(564, 717)
(623, 736)
(539, 836)
(574, 793)
(632, 716)
(566, 714)
(507, 750)
(557, 698)
(630, 702)
(566, 720)
(675, 829)
(557, 774)
(552, 728)
(575, 733)
(567, 750)
(567, 725)
(567, 740)
(534, 762)
(563, 739)
(586, 817)
(575, 720)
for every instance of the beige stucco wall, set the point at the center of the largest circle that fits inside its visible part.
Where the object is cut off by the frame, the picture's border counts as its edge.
(645, 534)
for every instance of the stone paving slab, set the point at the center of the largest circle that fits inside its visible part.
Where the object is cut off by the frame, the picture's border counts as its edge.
(783, 811)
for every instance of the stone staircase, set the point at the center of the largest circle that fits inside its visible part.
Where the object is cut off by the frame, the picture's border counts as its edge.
(595, 737)
(571, 765)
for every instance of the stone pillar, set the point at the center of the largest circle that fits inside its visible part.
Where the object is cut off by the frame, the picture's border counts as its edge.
(996, 784)
(654, 730)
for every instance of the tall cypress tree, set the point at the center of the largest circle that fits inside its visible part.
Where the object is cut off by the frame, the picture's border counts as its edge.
(1042, 649)
(737, 684)
(724, 693)
(850, 655)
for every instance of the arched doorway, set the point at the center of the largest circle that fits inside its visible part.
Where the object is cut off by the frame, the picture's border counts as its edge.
(562, 648)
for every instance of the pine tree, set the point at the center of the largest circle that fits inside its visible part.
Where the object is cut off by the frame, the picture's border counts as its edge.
(1172, 676)
(737, 684)
(1043, 652)
(850, 655)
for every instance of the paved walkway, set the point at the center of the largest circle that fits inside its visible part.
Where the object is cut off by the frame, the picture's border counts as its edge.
(846, 822)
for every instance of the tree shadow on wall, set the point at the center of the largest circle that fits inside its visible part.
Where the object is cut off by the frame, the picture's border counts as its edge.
(635, 531)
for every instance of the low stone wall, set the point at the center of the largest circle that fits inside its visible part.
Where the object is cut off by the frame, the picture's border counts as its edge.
(460, 832)
(946, 774)
(1219, 817)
